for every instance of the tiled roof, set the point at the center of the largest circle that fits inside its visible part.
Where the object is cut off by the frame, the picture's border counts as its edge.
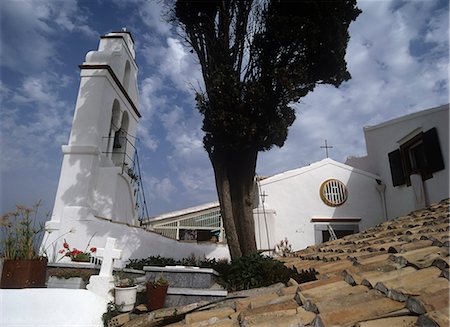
(395, 274)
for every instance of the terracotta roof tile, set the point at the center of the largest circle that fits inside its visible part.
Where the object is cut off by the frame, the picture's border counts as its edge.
(406, 321)
(395, 274)
(319, 282)
(353, 308)
(435, 318)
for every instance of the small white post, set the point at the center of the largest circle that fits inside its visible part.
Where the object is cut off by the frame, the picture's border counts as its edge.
(103, 283)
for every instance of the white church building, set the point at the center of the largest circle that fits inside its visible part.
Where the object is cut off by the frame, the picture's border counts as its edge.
(307, 205)
(411, 156)
(406, 168)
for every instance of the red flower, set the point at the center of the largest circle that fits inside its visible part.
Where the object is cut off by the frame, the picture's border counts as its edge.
(61, 251)
(93, 249)
(65, 245)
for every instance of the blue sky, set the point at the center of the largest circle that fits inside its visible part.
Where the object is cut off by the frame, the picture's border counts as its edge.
(397, 55)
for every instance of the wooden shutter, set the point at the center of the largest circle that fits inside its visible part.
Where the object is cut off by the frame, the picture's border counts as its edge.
(433, 150)
(395, 162)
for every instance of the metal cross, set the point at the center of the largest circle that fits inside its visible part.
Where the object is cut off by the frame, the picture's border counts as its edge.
(326, 147)
(263, 196)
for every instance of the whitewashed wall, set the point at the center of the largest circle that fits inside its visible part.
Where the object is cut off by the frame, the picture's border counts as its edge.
(294, 196)
(42, 307)
(89, 183)
(382, 139)
(135, 242)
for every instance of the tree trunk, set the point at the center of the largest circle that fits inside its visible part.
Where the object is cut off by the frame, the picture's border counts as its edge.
(226, 209)
(235, 172)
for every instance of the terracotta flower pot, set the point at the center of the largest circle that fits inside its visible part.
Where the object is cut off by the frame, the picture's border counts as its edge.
(156, 296)
(24, 273)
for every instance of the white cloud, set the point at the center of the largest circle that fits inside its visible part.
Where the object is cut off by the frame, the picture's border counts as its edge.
(30, 29)
(388, 80)
(150, 96)
(152, 15)
(41, 124)
(150, 141)
(175, 64)
(160, 188)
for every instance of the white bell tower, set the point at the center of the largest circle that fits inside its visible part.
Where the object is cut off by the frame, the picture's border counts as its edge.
(96, 180)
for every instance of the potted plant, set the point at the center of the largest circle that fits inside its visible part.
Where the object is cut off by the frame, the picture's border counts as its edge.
(125, 290)
(78, 255)
(68, 277)
(156, 293)
(23, 265)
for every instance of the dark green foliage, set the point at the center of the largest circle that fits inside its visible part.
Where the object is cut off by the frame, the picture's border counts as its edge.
(112, 310)
(256, 270)
(257, 57)
(251, 271)
(152, 261)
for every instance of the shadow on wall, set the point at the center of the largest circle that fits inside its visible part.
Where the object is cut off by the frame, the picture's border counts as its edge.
(82, 193)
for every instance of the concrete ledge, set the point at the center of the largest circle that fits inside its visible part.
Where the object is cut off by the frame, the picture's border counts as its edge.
(77, 265)
(181, 269)
(80, 149)
(196, 291)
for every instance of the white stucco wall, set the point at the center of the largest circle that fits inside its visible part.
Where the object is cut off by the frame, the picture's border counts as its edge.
(295, 198)
(384, 138)
(42, 307)
(134, 242)
(265, 220)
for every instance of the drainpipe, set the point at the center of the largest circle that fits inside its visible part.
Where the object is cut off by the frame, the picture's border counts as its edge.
(381, 188)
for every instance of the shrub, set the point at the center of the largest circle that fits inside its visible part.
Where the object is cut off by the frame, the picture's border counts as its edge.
(256, 270)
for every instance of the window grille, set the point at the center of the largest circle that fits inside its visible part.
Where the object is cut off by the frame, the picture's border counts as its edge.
(333, 192)
(211, 220)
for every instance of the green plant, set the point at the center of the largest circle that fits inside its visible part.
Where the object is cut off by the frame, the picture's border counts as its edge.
(163, 261)
(256, 270)
(22, 233)
(112, 310)
(75, 254)
(122, 280)
(66, 273)
(160, 281)
(152, 261)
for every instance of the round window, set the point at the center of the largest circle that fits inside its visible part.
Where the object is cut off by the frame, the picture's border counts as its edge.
(333, 192)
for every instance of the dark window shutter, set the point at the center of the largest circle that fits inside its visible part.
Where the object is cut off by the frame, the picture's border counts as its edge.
(433, 150)
(395, 162)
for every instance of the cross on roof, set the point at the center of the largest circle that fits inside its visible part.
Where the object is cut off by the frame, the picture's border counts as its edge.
(263, 196)
(108, 253)
(326, 147)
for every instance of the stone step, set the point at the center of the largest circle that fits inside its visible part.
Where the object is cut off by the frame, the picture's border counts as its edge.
(183, 277)
(177, 296)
